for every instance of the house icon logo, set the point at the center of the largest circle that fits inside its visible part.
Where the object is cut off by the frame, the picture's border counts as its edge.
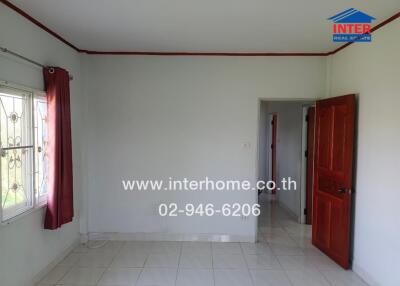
(351, 25)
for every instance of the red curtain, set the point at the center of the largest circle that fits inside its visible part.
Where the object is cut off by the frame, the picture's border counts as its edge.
(60, 195)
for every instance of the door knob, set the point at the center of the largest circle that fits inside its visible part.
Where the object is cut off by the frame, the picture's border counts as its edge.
(343, 190)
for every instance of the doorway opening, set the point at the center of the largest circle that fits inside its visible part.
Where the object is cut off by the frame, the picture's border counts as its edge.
(282, 153)
(313, 146)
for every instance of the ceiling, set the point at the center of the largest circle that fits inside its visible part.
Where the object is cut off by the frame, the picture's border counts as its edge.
(236, 26)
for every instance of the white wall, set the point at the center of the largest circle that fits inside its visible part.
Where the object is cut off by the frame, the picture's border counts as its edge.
(372, 71)
(289, 145)
(156, 117)
(25, 248)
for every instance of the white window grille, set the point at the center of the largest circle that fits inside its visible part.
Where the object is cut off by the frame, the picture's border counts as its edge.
(23, 153)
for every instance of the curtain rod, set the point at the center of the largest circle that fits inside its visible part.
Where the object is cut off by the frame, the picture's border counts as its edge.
(7, 51)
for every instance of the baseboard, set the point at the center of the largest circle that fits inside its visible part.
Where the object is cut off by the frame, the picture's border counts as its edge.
(364, 275)
(39, 277)
(170, 237)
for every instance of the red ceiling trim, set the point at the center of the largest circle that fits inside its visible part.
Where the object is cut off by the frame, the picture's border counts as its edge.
(39, 24)
(339, 49)
(387, 21)
(241, 54)
(249, 54)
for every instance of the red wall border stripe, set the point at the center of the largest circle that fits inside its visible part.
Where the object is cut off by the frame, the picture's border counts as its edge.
(39, 24)
(250, 54)
(241, 54)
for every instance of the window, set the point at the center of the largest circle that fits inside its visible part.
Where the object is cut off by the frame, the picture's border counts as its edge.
(23, 157)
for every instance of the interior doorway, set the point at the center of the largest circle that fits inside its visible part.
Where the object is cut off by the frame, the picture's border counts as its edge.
(313, 145)
(282, 152)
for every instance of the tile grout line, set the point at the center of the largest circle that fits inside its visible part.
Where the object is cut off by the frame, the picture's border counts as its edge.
(247, 265)
(295, 240)
(323, 276)
(141, 270)
(316, 268)
(70, 267)
(212, 262)
(65, 274)
(179, 262)
(280, 264)
(108, 267)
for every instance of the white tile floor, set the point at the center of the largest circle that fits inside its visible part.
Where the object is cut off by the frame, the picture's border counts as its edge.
(284, 256)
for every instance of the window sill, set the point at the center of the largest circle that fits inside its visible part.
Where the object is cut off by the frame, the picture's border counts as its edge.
(26, 213)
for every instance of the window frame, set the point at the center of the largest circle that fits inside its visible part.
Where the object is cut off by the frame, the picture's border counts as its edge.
(37, 201)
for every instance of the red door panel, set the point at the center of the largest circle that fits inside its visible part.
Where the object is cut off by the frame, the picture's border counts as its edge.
(339, 133)
(333, 176)
(322, 210)
(325, 123)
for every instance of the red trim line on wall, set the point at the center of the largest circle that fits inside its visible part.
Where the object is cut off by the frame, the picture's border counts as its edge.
(256, 54)
(387, 21)
(39, 24)
(241, 54)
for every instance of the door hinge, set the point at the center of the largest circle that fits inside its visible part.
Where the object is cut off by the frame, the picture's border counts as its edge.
(306, 153)
(305, 211)
(307, 118)
(272, 146)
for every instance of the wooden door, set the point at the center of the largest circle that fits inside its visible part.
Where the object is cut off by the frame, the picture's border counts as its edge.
(273, 149)
(310, 163)
(333, 177)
